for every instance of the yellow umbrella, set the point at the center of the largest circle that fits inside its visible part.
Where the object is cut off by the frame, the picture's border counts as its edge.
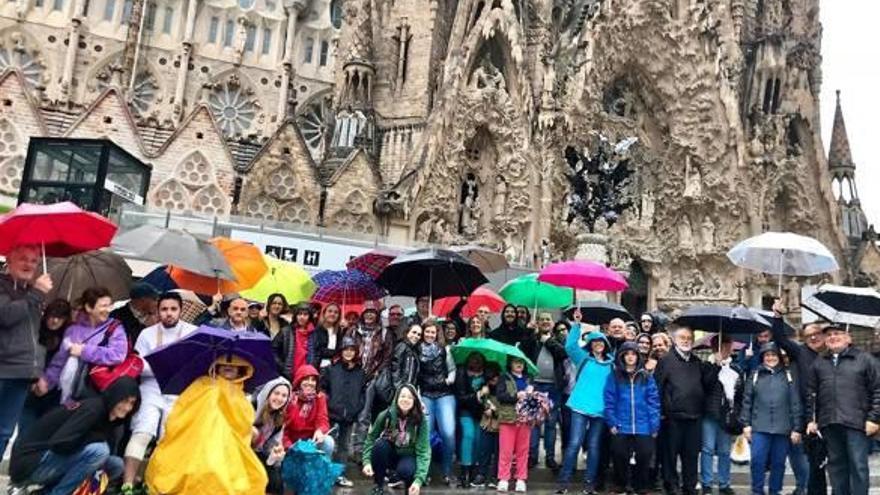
(283, 277)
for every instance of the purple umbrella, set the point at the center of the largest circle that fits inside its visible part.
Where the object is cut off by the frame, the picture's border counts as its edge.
(178, 364)
(346, 287)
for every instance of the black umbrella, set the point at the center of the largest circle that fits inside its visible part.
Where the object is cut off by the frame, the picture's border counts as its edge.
(431, 272)
(599, 312)
(770, 316)
(858, 306)
(724, 319)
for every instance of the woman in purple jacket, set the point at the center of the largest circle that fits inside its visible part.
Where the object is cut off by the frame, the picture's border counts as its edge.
(94, 338)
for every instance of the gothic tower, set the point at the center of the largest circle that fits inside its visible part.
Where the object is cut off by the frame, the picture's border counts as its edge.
(843, 180)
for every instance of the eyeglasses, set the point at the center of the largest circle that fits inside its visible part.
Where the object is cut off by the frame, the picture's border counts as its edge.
(813, 336)
(395, 314)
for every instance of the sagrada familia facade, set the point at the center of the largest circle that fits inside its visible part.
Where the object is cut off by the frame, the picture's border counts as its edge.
(448, 121)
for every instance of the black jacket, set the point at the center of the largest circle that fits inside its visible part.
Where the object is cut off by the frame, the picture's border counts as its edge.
(532, 346)
(20, 312)
(404, 364)
(715, 397)
(344, 387)
(322, 341)
(510, 334)
(66, 430)
(432, 374)
(801, 356)
(466, 396)
(133, 327)
(847, 394)
(683, 385)
(283, 347)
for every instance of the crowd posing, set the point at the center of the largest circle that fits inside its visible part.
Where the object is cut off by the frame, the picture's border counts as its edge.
(383, 394)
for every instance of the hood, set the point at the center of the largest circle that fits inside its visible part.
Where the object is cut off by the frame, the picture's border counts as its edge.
(596, 335)
(628, 346)
(769, 347)
(266, 391)
(123, 388)
(246, 370)
(302, 372)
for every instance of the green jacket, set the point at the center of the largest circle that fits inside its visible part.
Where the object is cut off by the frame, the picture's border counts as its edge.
(419, 444)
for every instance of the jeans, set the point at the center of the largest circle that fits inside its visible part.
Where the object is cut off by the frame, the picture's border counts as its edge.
(549, 426)
(327, 445)
(564, 421)
(470, 439)
(441, 416)
(847, 459)
(716, 442)
(625, 448)
(582, 426)
(343, 441)
(385, 460)
(488, 460)
(13, 392)
(364, 418)
(769, 450)
(800, 466)
(61, 474)
(682, 442)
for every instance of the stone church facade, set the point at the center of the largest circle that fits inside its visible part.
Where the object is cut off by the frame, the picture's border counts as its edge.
(447, 121)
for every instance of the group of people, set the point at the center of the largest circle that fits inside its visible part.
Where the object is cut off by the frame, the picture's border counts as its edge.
(386, 395)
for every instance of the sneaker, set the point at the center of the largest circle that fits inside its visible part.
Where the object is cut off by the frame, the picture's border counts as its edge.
(707, 490)
(492, 484)
(589, 490)
(552, 465)
(561, 490)
(396, 484)
(479, 481)
(344, 482)
(17, 490)
(377, 490)
(448, 481)
(726, 490)
(503, 485)
(520, 486)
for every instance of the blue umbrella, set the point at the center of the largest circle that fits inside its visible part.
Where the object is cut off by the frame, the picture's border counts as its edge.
(178, 364)
(160, 279)
(307, 470)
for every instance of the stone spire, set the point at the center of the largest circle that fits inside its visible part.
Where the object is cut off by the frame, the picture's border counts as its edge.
(843, 179)
(839, 154)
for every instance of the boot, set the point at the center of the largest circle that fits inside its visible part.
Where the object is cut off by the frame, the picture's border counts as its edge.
(464, 476)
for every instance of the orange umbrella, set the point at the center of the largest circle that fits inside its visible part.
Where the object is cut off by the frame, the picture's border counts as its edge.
(245, 260)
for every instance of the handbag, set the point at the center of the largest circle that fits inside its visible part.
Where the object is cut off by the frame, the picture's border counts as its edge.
(729, 418)
(384, 385)
(102, 376)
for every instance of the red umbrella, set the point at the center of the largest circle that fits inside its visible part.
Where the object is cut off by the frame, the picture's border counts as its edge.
(482, 296)
(373, 262)
(62, 229)
(583, 275)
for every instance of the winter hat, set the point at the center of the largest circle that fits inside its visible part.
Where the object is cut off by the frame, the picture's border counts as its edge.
(348, 342)
(769, 347)
(142, 290)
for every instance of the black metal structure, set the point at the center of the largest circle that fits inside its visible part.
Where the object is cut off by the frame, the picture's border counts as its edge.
(95, 174)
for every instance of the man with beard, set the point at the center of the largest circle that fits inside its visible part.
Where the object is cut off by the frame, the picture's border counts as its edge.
(844, 390)
(510, 332)
(549, 355)
(375, 346)
(146, 425)
(683, 380)
(808, 457)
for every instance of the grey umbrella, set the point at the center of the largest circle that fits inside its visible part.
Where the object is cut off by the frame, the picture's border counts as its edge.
(74, 274)
(173, 247)
(487, 260)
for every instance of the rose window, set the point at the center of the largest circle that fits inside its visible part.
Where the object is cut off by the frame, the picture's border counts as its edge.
(171, 196)
(11, 159)
(195, 170)
(261, 207)
(30, 68)
(232, 108)
(281, 184)
(210, 200)
(313, 123)
(296, 212)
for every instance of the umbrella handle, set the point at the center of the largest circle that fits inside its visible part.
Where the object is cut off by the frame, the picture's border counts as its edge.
(43, 251)
(779, 284)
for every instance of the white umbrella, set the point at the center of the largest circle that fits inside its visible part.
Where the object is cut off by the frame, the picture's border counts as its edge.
(858, 306)
(783, 253)
(487, 260)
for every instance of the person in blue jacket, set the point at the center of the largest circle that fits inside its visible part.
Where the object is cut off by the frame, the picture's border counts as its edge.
(593, 365)
(632, 414)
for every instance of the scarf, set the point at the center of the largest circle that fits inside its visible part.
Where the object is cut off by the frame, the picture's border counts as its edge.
(305, 400)
(401, 438)
(430, 351)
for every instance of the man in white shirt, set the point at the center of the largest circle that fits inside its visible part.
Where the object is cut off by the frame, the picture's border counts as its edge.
(148, 423)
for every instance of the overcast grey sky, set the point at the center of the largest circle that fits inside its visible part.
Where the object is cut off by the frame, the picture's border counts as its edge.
(851, 63)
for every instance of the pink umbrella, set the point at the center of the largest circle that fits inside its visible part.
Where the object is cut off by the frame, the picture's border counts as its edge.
(482, 296)
(583, 275)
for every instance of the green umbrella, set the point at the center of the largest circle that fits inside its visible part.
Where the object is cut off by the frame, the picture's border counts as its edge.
(493, 351)
(529, 292)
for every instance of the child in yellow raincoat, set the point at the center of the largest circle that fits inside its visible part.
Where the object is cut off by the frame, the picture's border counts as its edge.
(207, 444)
